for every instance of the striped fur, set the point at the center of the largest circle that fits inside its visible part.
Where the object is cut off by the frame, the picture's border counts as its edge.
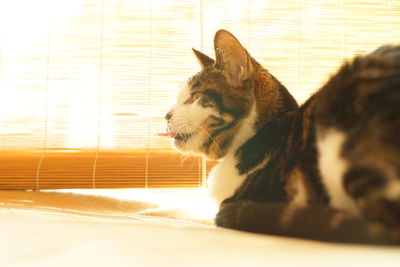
(328, 170)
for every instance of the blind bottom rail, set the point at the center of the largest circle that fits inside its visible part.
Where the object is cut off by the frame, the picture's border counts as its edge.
(113, 169)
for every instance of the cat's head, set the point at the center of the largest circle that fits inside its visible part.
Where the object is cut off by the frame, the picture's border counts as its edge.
(221, 107)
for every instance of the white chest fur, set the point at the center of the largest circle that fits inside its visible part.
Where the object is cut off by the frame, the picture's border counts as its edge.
(224, 179)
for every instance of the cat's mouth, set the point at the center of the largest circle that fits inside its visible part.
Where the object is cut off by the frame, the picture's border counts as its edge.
(181, 137)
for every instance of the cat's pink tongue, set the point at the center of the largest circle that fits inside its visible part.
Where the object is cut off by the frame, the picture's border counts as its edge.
(167, 134)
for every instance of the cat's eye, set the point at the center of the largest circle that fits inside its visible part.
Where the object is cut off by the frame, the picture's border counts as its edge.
(195, 96)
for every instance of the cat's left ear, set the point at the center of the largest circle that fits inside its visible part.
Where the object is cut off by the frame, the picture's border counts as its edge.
(232, 58)
(203, 59)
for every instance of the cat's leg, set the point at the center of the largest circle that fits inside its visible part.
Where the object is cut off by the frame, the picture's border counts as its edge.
(377, 196)
(313, 222)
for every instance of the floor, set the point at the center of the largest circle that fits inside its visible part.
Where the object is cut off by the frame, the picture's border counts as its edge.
(150, 228)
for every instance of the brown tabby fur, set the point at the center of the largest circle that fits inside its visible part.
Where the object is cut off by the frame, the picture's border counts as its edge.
(362, 101)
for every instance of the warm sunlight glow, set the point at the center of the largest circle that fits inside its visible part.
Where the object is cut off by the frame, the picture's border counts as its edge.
(95, 77)
(25, 22)
(189, 203)
(89, 73)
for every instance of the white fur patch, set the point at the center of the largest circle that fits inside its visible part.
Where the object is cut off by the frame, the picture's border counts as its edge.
(246, 130)
(301, 196)
(187, 119)
(296, 188)
(224, 179)
(259, 166)
(332, 168)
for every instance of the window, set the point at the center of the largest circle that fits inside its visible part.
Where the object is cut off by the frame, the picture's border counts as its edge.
(85, 84)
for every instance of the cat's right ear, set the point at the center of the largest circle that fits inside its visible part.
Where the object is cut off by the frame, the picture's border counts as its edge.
(204, 60)
(232, 58)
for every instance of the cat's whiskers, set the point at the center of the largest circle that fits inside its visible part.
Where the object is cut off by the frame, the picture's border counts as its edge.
(211, 138)
(184, 158)
(181, 126)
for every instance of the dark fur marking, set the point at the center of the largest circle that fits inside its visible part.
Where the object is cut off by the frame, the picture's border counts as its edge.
(225, 144)
(218, 121)
(218, 100)
(358, 182)
(267, 140)
(205, 102)
(195, 85)
(215, 133)
(267, 218)
(288, 102)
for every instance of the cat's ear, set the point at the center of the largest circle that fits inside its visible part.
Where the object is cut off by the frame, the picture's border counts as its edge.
(204, 60)
(232, 58)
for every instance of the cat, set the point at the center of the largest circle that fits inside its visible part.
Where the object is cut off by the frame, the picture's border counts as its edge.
(327, 170)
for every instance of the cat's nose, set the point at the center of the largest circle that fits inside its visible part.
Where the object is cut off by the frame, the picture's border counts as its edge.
(168, 116)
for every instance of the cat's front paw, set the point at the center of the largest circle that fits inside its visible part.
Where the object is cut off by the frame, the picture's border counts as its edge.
(228, 215)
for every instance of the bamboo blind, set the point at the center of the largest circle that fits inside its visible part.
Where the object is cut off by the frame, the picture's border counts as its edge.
(84, 84)
(115, 169)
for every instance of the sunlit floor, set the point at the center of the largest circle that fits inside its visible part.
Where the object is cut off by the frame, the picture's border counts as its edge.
(194, 203)
(150, 228)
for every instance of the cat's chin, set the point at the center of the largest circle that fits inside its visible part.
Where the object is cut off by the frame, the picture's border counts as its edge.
(183, 143)
(184, 149)
(191, 149)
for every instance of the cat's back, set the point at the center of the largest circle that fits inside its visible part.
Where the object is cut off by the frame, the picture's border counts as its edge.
(357, 117)
(366, 87)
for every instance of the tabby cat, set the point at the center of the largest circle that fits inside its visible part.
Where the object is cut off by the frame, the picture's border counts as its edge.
(327, 170)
